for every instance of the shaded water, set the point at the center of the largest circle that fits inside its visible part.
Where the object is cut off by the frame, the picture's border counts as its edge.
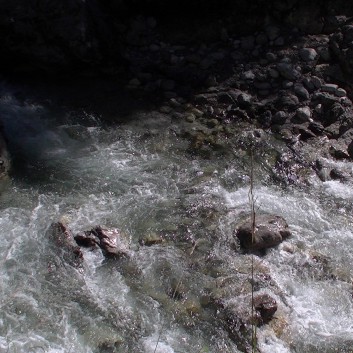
(139, 177)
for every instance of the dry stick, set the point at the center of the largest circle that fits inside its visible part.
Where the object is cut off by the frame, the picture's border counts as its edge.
(253, 214)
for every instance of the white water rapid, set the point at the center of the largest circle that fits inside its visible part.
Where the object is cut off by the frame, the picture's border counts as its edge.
(138, 177)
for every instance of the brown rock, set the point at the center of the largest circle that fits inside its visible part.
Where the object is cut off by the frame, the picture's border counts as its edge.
(112, 242)
(266, 306)
(270, 230)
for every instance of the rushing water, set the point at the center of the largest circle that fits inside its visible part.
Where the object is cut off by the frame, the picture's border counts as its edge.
(139, 177)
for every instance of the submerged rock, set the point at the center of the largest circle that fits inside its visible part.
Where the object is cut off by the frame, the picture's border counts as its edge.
(269, 231)
(62, 238)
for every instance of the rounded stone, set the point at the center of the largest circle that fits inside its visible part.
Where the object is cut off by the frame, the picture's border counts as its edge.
(308, 54)
(303, 114)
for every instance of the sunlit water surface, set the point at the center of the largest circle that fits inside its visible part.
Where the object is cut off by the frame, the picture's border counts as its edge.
(139, 177)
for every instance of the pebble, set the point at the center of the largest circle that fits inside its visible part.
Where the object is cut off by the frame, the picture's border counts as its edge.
(271, 57)
(308, 84)
(273, 73)
(340, 92)
(248, 75)
(308, 54)
(287, 84)
(288, 71)
(301, 92)
(316, 82)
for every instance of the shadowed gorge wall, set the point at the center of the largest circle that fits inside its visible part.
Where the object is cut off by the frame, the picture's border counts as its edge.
(68, 35)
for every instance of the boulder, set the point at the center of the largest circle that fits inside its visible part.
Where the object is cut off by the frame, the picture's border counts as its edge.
(269, 231)
(266, 306)
(112, 242)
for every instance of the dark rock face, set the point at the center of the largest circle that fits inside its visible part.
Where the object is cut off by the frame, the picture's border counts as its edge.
(270, 230)
(4, 159)
(73, 34)
(54, 35)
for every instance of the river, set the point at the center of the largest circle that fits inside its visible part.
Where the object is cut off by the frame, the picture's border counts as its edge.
(140, 177)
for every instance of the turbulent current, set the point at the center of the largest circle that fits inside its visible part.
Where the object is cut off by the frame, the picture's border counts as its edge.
(140, 177)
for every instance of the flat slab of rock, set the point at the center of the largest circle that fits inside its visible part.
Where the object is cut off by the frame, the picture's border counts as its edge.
(270, 230)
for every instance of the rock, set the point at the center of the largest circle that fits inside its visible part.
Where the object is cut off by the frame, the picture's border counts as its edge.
(86, 239)
(4, 160)
(303, 114)
(329, 87)
(151, 239)
(244, 100)
(308, 54)
(279, 117)
(316, 127)
(112, 242)
(301, 92)
(270, 230)
(340, 92)
(308, 84)
(350, 149)
(339, 150)
(266, 306)
(316, 82)
(273, 73)
(248, 75)
(62, 238)
(287, 100)
(288, 71)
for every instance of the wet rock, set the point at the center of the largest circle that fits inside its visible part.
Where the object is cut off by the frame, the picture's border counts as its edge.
(112, 242)
(350, 149)
(63, 239)
(151, 239)
(339, 150)
(86, 239)
(269, 231)
(266, 306)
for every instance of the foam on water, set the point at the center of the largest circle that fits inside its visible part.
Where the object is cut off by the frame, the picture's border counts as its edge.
(134, 177)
